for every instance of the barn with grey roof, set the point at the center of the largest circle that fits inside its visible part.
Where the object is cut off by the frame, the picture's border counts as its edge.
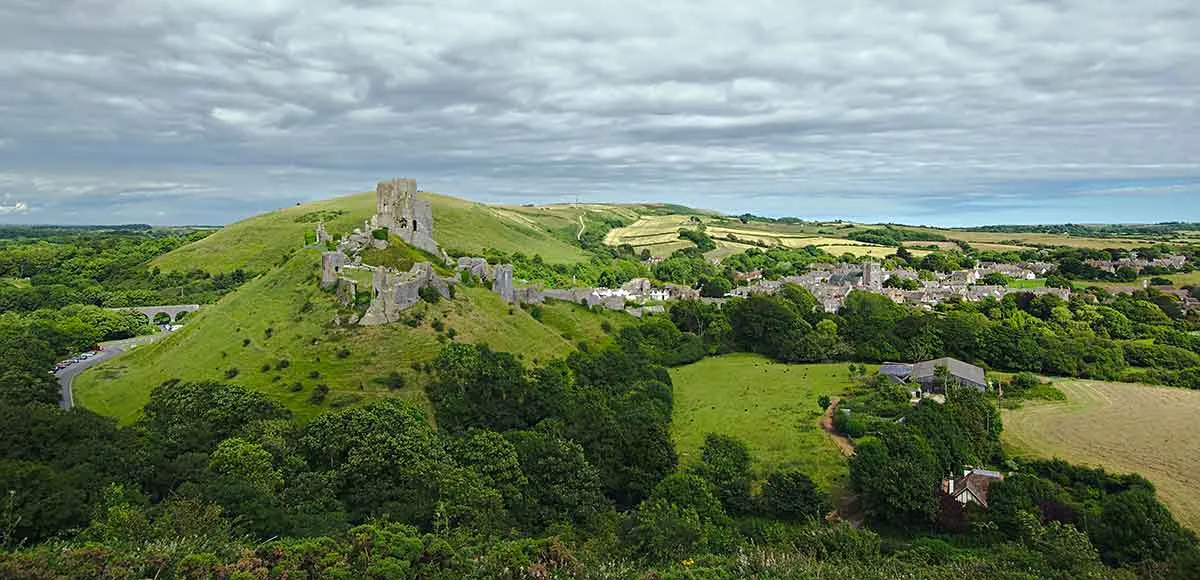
(925, 374)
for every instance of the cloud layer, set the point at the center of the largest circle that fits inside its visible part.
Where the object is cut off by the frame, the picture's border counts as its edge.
(936, 111)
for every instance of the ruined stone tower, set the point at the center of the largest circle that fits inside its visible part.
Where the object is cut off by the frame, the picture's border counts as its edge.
(502, 282)
(331, 268)
(398, 209)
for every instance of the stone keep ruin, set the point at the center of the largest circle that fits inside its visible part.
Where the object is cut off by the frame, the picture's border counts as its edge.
(398, 210)
(400, 213)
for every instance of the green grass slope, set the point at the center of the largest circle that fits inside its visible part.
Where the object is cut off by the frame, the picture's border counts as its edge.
(285, 316)
(469, 227)
(262, 242)
(770, 406)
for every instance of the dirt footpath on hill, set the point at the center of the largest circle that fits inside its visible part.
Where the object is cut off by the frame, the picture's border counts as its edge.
(842, 441)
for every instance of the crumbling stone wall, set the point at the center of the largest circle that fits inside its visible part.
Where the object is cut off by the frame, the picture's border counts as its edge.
(347, 291)
(394, 292)
(478, 267)
(323, 236)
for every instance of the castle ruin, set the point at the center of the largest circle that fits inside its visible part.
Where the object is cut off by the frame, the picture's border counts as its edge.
(395, 292)
(502, 282)
(332, 264)
(323, 236)
(398, 210)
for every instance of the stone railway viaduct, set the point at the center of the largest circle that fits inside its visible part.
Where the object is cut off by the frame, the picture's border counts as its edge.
(151, 311)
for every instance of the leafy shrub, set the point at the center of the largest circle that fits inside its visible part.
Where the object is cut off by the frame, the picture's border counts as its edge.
(451, 333)
(246, 342)
(394, 380)
(296, 387)
(314, 374)
(318, 394)
(438, 325)
(266, 368)
(792, 495)
(343, 353)
(345, 400)
(429, 294)
(283, 364)
(380, 234)
(231, 372)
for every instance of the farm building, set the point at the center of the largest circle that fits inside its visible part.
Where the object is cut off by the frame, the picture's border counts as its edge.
(925, 374)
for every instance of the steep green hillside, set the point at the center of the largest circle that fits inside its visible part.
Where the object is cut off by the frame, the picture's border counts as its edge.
(259, 243)
(283, 316)
(468, 227)
(262, 242)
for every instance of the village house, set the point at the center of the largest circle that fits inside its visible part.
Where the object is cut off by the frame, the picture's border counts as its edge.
(972, 487)
(1038, 268)
(747, 276)
(1011, 270)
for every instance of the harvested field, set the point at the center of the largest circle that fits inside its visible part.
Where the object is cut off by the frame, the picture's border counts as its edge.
(1037, 239)
(1123, 428)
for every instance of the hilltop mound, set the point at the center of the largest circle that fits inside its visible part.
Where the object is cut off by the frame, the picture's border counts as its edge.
(262, 242)
(280, 333)
(276, 332)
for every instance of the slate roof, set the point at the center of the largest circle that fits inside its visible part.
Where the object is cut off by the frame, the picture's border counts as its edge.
(898, 370)
(977, 482)
(957, 368)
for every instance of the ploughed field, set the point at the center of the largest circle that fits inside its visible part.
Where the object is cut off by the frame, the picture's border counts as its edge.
(1123, 428)
(769, 405)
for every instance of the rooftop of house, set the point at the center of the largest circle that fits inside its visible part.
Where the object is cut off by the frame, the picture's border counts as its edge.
(957, 368)
(898, 370)
(977, 482)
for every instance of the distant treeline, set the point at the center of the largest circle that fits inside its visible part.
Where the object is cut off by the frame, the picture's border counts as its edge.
(893, 236)
(1162, 229)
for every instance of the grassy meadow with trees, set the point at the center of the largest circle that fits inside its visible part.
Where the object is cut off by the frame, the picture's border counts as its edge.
(482, 440)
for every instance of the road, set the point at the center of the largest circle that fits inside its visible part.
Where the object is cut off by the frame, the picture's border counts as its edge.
(582, 226)
(111, 349)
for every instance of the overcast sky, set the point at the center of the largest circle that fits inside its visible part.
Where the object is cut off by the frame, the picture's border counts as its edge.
(945, 112)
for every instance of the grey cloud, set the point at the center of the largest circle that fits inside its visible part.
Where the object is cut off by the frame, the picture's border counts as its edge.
(8, 207)
(179, 108)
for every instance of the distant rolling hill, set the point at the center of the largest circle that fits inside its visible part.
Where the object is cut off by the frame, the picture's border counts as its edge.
(259, 243)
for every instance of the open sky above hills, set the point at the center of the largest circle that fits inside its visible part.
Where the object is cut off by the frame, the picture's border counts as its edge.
(941, 112)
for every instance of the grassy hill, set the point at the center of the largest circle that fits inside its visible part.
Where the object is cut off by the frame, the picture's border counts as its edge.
(277, 334)
(284, 316)
(262, 242)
